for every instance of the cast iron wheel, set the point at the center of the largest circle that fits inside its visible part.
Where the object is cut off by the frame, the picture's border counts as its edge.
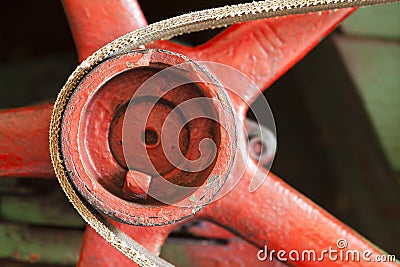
(275, 215)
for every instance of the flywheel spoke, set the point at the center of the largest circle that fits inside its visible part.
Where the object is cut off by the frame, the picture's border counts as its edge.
(96, 252)
(278, 217)
(95, 23)
(24, 142)
(263, 50)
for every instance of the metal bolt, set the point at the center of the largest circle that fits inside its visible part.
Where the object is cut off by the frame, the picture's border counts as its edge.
(136, 184)
(262, 143)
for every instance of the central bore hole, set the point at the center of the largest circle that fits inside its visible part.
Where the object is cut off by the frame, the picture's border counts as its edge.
(150, 137)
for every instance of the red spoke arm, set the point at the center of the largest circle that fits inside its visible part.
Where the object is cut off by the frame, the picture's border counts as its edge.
(236, 251)
(24, 142)
(95, 23)
(279, 217)
(96, 252)
(264, 50)
(24, 149)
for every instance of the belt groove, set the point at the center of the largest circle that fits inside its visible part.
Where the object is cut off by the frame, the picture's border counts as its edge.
(187, 23)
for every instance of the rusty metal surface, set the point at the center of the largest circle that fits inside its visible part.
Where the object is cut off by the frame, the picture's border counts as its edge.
(24, 141)
(273, 215)
(95, 170)
(263, 50)
(96, 252)
(208, 245)
(90, 22)
(327, 226)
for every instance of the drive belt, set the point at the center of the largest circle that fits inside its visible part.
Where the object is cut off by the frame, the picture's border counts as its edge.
(166, 29)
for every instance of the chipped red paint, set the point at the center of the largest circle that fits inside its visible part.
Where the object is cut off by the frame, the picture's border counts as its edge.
(265, 49)
(96, 22)
(275, 215)
(133, 190)
(24, 141)
(281, 218)
(96, 252)
(96, 159)
(234, 251)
